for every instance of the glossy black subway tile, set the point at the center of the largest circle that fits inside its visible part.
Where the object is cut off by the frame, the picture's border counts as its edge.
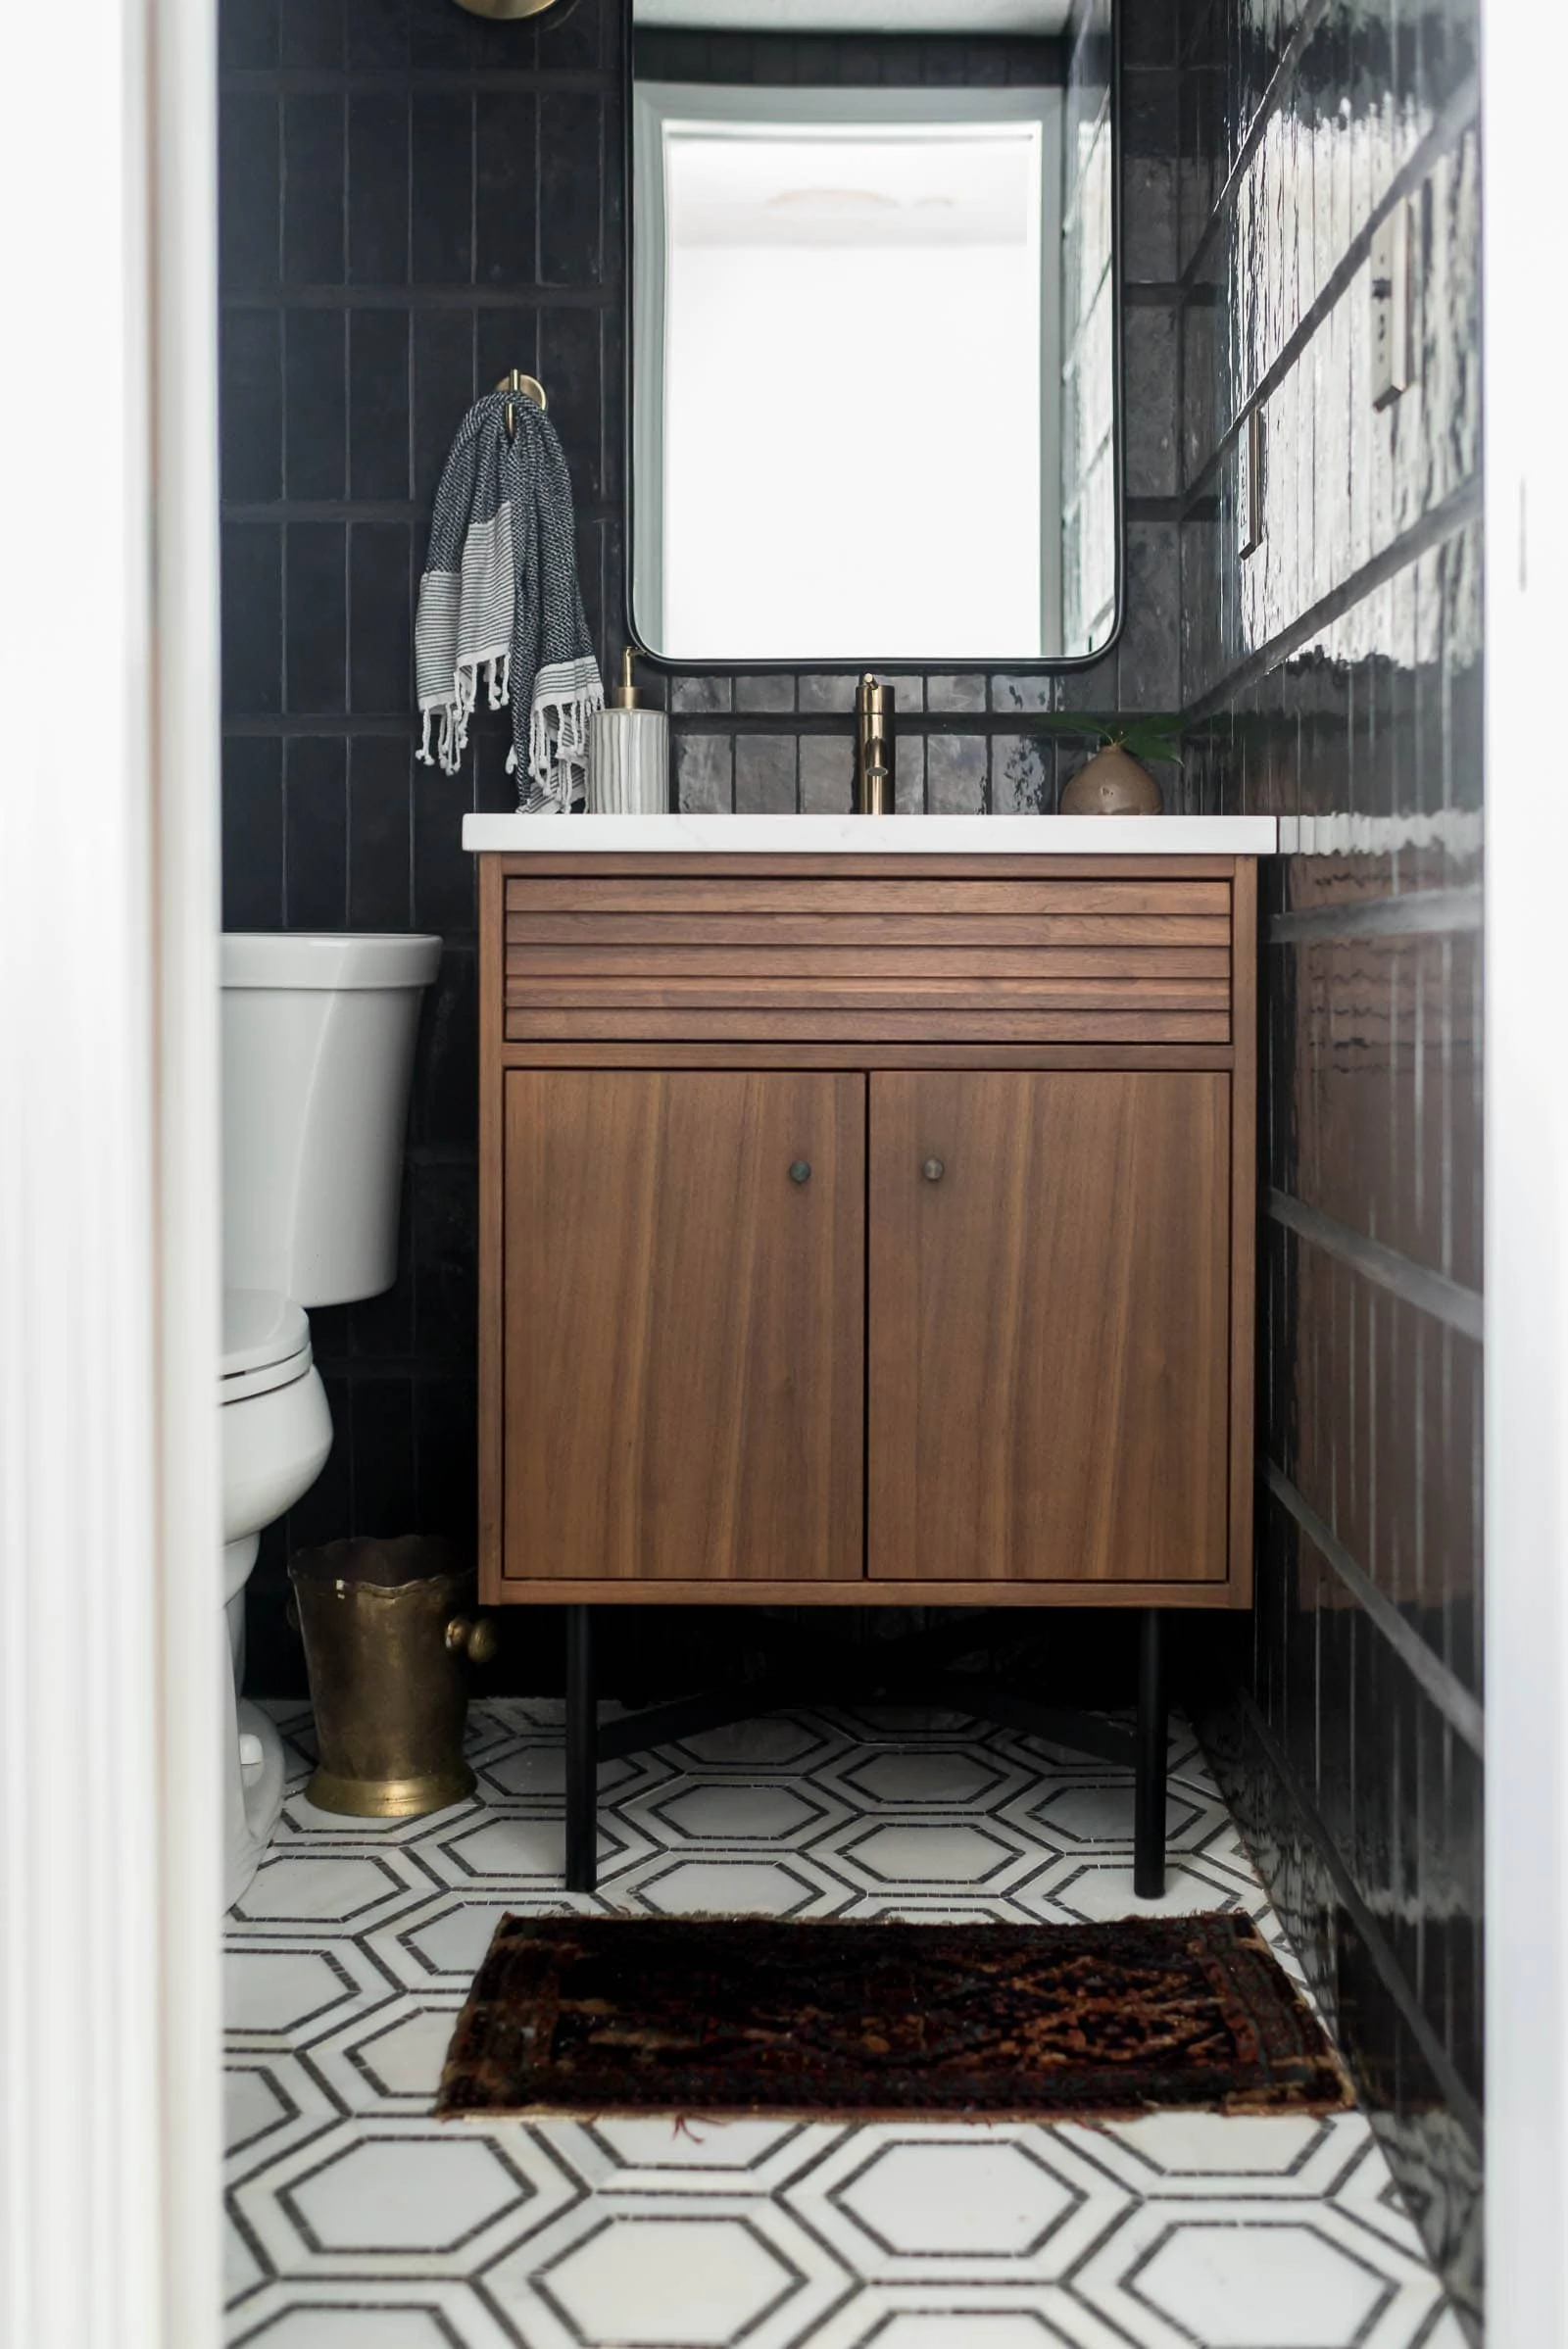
(315, 405)
(572, 371)
(571, 176)
(381, 639)
(441, 39)
(376, 37)
(446, 1067)
(445, 1216)
(248, 35)
(316, 832)
(444, 383)
(441, 133)
(1150, 255)
(253, 834)
(956, 774)
(443, 872)
(379, 385)
(311, 32)
(252, 556)
(1023, 776)
(1148, 653)
(947, 694)
(316, 629)
(506, 190)
(446, 1413)
(381, 1413)
(764, 694)
(826, 773)
(689, 695)
(250, 178)
(1012, 691)
(250, 406)
(379, 1326)
(703, 767)
(380, 870)
(766, 774)
(315, 173)
(378, 189)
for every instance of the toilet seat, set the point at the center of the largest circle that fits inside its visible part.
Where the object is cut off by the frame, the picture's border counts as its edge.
(266, 1344)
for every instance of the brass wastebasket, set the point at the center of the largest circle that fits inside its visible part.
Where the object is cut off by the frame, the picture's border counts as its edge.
(387, 1626)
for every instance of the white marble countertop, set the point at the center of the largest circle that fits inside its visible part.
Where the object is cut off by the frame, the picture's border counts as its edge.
(875, 836)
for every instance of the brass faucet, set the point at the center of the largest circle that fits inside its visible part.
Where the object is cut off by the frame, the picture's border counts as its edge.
(873, 748)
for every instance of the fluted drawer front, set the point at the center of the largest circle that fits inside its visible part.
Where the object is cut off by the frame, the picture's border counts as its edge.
(733, 957)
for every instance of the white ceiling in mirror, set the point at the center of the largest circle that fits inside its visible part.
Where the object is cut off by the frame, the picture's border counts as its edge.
(972, 17)
(870, 191)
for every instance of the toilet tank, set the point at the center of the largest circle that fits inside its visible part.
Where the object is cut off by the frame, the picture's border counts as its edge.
(317, 1050)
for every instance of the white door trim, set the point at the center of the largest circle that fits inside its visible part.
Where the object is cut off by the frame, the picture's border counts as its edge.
(109, 1268)
(1525, 69)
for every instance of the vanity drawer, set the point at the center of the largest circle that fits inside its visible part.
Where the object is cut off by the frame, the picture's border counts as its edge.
(729, 956)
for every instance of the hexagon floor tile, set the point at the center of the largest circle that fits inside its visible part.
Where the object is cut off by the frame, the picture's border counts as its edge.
(356, 2222)
(970, 2201)
(429, 2193)
(682, 2279)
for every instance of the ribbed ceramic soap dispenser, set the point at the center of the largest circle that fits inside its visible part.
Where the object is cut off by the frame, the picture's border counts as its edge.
(628, 754)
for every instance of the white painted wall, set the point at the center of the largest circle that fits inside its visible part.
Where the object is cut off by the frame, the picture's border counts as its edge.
(109, 1658)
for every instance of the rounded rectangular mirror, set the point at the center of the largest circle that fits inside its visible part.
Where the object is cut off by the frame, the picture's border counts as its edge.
(874, 346)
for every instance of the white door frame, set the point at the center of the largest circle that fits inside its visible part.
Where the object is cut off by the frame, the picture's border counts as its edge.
(108, 1264)
(1524, 74)
(109, 1649)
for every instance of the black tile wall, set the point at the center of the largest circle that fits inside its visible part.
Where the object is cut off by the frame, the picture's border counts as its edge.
(776, 59)
(1332, 678)
(414, 200)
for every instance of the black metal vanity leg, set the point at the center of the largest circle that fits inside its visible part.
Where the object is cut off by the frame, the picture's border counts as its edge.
(582, 1753)
(1148, 1820)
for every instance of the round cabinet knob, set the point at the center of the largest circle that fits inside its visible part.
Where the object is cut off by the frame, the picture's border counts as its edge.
(933, 1170)
(801, 1171)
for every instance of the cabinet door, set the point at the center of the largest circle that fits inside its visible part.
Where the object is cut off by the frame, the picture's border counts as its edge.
(684, 1370)
(1048, 1317)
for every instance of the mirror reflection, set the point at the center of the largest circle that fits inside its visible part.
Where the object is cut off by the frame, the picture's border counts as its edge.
(873, 331)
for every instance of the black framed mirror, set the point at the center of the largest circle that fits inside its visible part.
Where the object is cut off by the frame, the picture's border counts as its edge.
(874, 332)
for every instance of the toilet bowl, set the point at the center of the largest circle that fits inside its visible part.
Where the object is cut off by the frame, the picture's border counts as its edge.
(318, 1051)
(277, 1433)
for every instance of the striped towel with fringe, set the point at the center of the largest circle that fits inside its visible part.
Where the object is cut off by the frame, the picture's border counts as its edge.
(500, 595)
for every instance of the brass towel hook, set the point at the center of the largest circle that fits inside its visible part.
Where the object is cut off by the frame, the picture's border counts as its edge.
(532, 389)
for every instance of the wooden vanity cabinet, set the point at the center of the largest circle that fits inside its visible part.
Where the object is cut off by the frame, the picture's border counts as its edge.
(683, 1292)
(1048, 1315)
(866, 1231)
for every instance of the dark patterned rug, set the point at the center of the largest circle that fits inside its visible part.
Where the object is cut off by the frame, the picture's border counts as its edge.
(589, 2015)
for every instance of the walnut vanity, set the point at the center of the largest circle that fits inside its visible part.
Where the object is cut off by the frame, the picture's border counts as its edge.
(867, 1218)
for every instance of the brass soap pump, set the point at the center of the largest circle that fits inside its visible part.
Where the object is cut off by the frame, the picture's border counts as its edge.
(628, 753)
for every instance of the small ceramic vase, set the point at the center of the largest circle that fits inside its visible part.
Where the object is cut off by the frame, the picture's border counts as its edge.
(1113, 783)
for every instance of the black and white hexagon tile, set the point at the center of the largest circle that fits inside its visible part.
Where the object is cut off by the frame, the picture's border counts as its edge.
(356, 2222)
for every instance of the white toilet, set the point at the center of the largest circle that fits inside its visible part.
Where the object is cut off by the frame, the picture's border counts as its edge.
(317, 1050)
